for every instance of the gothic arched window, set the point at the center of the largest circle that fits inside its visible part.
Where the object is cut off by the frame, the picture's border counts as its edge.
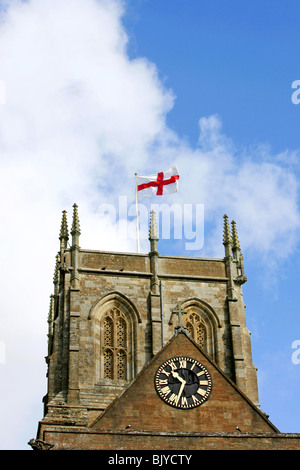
(196, 328)
(115, 341)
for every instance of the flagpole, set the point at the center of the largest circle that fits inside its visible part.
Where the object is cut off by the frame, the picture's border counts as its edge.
(137, 215)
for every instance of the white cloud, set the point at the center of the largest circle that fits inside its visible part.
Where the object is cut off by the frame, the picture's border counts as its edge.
(76, 111)
(248, 184)
(79, 119)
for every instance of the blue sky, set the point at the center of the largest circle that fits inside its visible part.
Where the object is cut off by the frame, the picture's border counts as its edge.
(96, 89)
(238, 60)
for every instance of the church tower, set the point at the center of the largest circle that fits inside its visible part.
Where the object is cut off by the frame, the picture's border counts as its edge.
(114, 315)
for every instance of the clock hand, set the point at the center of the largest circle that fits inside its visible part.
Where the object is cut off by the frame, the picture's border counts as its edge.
(183, 383)
(180, 391)
(177, 376)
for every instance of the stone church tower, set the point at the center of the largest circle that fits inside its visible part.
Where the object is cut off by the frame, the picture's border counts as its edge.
(114, 318)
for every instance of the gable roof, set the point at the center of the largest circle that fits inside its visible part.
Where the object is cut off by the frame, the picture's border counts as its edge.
(139, 406)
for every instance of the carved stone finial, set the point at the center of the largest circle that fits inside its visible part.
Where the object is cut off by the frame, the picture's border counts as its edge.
(51, 309)
(235, 240)
(226, 233)
(75, 226)
(64, 233)
(153, 233)
(75, 232)
(56, 269)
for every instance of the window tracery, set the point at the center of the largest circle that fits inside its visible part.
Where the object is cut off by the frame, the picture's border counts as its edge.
(197, 329)
(115, 345)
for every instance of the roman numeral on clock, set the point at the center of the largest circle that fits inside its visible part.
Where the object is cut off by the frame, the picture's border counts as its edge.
(165, 390)
(195, 400)
(173, 398)
(172, 365)
(202, 372)
(184, 401)
(182, 363)
(163, 381)
(165, 372)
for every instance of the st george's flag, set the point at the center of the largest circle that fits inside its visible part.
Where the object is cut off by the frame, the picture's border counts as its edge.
(164, 182)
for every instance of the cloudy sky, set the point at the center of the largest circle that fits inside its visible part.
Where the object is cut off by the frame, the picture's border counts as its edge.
(92, 91)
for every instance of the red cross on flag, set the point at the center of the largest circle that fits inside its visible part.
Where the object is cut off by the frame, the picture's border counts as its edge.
(165, 182)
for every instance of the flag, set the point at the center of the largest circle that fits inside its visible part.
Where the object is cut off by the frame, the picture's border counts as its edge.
(165, 182)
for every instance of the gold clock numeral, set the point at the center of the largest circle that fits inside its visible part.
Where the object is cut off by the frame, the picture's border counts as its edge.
(165, 390)
(195, 400)
(201, 391)
(182, 363)
(172, 398)
(202, 372)
(165, 372)
(163, 381)
(184, 401)
(172, 365)
(203, 382)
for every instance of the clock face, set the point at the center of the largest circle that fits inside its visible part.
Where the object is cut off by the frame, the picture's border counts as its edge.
(183, 382)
